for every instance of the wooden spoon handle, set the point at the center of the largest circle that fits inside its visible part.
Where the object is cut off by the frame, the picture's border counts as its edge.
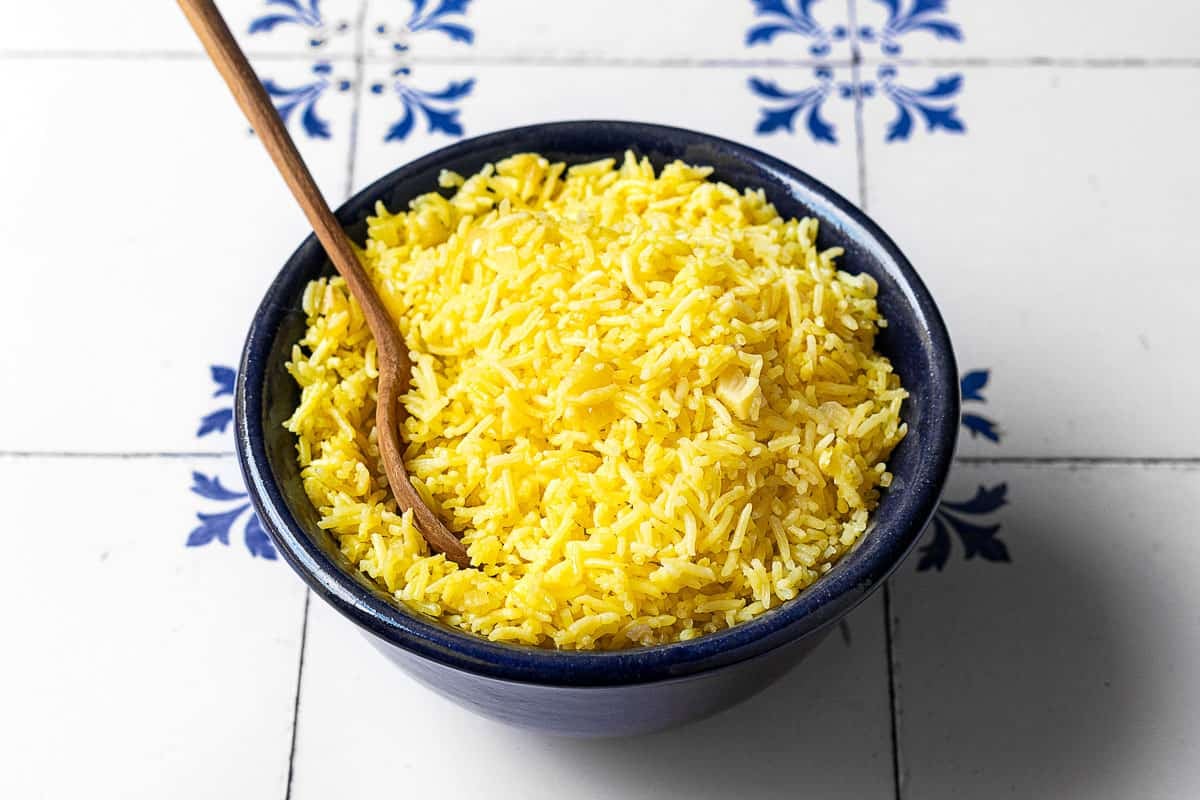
(231, 62)
(394, 366)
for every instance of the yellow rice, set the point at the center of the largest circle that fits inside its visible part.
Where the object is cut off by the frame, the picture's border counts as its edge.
(649, 404)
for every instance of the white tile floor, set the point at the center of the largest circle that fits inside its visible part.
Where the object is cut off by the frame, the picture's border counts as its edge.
(841, 692)
(118, 210)
(1048, 30)
(663, 31)
(1073, 223)
(135, 667)
(266, 28)
(1075, 678)
(1042, 644)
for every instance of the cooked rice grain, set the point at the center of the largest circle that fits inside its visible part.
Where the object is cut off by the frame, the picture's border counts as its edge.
(649, 404)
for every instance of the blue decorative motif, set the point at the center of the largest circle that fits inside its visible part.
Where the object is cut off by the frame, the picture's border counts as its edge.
(301, 102)
(296, 12)
(977, 539)
(782, 117)
(216, 526)
(971, 387)
(934, 105)
(433, 20)
(218, 420)
(972, 384)
(212, 488)
(920, 16)
(431, 105)
(304, 99)
(437, 106)
(781, 18)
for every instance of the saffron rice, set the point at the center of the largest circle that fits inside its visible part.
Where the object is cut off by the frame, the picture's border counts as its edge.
(649, 404)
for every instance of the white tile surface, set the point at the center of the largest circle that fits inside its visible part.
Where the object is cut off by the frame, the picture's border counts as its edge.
(1069, 673)
(1055, 234)
(134, 667)
(618, 30)
(141, 26)
(515, 30)
(507, 96)
(332, 33)
(1057, 29)
(1058, 241)
(823, 730)
(146, 202)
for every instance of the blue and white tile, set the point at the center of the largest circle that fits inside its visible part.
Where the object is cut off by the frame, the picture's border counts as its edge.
(469, 100)
(148, 223)
(304, 28)
(1070, 671)
(1026, 30)
(296, 28)
(1050, 212)
(403, 31)
(136, 667)
(620, 31)
(825, 727)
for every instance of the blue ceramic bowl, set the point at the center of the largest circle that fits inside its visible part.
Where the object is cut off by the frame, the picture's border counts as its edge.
(642, 689)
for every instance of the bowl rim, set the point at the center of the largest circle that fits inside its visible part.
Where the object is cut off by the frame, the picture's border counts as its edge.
(820, 604)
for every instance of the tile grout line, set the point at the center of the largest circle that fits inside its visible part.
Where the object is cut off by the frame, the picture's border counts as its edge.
(453, 60)
(617, 62)
(351, 155)
(1111, 62)
(860, 136)
(860, 146)
(893, 693)
(889, 647)
(291, 772)
(1099, 62)
(1082, 461)
(359, 78)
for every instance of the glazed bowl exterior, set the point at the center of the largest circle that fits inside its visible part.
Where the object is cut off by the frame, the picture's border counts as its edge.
(638, 689)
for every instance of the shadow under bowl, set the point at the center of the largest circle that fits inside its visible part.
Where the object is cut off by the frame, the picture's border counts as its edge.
(638, 689)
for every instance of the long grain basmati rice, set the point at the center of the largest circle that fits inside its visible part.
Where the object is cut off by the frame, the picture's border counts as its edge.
(649, 404)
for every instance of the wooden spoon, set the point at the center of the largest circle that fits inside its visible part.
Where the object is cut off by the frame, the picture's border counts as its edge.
(394, 366)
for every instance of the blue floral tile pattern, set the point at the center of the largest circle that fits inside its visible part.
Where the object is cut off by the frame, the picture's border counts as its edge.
(432, 105)
(218, 421)
(921, 15)
(304, 99)
(779, 17)
(296, 12)
(977, 538)
(934, 105)
(300, 103)
(430, 19)
(971, 388)
(809, 101)
(215, 526)
(436, 106)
